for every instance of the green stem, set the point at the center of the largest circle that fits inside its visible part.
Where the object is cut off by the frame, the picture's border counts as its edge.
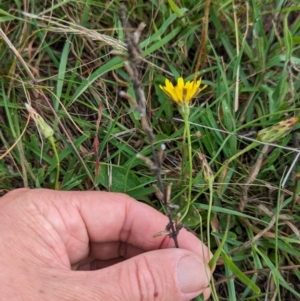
(227, 162)
(185, 116)
(52, 142)
(210, 184)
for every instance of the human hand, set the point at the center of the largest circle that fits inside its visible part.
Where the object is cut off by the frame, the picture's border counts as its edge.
(107, 237)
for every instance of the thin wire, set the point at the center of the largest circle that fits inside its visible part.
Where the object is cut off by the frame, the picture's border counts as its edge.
(241, 136)
(290, 170)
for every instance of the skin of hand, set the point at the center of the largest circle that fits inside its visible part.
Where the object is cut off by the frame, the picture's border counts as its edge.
(58, 245)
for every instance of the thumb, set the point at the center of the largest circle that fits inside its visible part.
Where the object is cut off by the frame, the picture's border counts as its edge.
(166, 275)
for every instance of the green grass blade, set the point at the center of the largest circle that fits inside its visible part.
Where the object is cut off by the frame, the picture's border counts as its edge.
(239, 274)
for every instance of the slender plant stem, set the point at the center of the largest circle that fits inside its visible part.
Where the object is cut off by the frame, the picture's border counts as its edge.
(52, 142)
(227, 162)
(189, 142)
(210, 184)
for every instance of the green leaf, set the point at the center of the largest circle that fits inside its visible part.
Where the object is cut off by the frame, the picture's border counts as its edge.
(5, 16)
(217, 254)
(112, 64)
(119, 179)
(175, 8)
(192, 217)
(239, 273)
(62, 72)
(288, 39)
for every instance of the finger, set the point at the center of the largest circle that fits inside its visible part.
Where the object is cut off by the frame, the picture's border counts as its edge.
(162, 275)
(109, 250)
(206, 293)
(81, 218)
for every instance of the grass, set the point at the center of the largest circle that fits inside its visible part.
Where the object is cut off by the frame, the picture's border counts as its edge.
(249, 58)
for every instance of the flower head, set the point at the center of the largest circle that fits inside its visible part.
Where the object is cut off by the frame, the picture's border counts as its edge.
(278, 130)
(45, 129)
(182, 93)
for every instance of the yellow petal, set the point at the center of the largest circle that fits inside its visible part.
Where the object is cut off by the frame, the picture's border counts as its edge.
(183, 92)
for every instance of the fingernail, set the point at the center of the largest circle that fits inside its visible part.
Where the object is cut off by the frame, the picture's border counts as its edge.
(192, 274)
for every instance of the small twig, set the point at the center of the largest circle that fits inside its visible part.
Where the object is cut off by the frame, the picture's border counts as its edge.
(131, 41)
(252, 175)
(202, 49)
(96, 139)
(17, 55)
(255, 238)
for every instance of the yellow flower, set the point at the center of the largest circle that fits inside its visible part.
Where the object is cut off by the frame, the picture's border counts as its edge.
(182, 93)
